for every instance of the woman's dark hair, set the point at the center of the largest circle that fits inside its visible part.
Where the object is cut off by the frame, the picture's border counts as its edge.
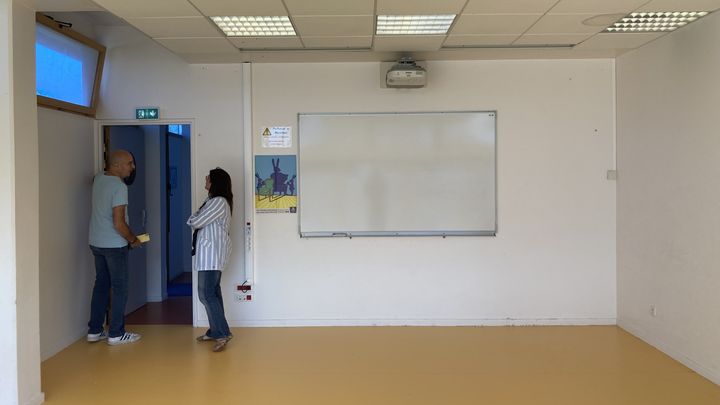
(221, 186)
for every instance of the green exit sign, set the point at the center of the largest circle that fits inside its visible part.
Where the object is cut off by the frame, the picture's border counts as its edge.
(148, 113)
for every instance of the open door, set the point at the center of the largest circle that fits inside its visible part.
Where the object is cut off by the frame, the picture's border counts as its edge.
(160, 201)
(179, 235)
(132, 139)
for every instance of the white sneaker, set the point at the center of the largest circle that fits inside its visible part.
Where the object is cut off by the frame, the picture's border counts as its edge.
(96, 337)
(127, 337)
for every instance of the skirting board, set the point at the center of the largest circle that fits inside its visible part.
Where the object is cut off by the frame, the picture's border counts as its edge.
(36, 399)
(416, 322)
(664, 347)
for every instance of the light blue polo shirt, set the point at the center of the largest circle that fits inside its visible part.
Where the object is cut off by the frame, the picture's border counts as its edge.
(107, 192)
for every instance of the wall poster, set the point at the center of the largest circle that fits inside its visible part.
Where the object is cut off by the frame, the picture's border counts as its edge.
(275, 184)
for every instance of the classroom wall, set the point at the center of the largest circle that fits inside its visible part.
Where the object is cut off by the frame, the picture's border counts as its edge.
(668, 199)
(26, 206)
(139, 72)
(8, 269)
(67, 271)
(553, 260)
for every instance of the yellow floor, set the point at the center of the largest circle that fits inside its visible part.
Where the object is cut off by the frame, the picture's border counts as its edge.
(380, 365)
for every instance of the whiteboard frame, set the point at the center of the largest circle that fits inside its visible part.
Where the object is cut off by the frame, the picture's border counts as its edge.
(343, 234)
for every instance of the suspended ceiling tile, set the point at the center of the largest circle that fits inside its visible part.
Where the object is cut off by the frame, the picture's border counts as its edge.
(476, 24)
(619, 41)
(551, 39)
(596, 6)
(408, 43)
(419, 7)
(65, 5)
(564, 24)
(479, 40)
(508, 7)
(266, 43)
(145, 8)
(681, 5)
(240, 7)
(330, 7)
(90, 18)
(325, 26)
(360, 42)
(176, 27)
(197, 45)
(202, 58)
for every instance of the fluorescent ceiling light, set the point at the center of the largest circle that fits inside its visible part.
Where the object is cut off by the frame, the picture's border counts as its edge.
(661, 21)
(250, 26)
(413, 24)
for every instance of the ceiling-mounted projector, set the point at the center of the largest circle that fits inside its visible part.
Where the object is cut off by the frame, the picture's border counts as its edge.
(406, 74)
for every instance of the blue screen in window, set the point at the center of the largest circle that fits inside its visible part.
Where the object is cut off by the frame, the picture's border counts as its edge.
(59, 76)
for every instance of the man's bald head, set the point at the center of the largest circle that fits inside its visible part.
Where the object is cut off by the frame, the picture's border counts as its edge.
(121, 164)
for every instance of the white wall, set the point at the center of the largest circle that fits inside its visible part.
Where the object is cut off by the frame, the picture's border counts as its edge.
(139, 72)
(8, 269)
(553, 260)
(26, 205)
(668, 198)
(67, 270)
(66, 265)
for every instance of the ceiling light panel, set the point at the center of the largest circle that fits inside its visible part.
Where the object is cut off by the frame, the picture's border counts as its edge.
(663, 21)
(255, 26)
(414, 24)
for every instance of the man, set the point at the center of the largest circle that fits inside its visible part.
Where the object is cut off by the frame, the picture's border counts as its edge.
(110, 238)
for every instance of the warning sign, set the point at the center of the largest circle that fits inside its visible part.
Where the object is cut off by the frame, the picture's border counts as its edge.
(277, 137)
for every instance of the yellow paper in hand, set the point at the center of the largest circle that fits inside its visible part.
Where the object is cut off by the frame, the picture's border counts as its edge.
(144, 237)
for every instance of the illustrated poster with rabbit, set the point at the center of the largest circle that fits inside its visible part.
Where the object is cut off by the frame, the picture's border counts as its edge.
(275, 184)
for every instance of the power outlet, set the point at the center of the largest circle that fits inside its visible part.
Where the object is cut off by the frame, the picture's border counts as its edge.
(243, 297)
(653, 310)
(243, 292)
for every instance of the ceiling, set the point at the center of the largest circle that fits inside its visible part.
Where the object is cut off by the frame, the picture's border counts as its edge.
(343, 30)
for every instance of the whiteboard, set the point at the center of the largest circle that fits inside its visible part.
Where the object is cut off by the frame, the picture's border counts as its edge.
(397, 174)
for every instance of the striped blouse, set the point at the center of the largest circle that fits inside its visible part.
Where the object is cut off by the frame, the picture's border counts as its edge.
(213, 247)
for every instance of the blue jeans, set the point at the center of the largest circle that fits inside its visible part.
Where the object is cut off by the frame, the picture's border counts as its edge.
(111, 274)
(211, 297)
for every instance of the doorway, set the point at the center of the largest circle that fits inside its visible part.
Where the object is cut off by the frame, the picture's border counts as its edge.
(159, 203)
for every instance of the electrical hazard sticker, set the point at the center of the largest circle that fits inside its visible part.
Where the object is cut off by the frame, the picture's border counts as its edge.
(277, 137)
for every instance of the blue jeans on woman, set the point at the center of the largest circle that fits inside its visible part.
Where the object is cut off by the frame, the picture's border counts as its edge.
(211, 297)
(111, 274)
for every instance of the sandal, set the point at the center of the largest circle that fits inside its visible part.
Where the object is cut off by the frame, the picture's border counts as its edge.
(203, 338)
(220, 344)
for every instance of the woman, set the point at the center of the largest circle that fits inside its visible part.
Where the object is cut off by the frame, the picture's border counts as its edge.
(212, 247)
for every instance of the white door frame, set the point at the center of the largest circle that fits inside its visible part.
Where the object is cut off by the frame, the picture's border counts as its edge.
(100, 164)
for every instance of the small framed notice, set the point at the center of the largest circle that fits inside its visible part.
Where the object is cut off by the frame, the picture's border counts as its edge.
(276, 137)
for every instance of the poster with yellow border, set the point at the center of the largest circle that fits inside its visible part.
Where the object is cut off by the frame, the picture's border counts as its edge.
(275, 184)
